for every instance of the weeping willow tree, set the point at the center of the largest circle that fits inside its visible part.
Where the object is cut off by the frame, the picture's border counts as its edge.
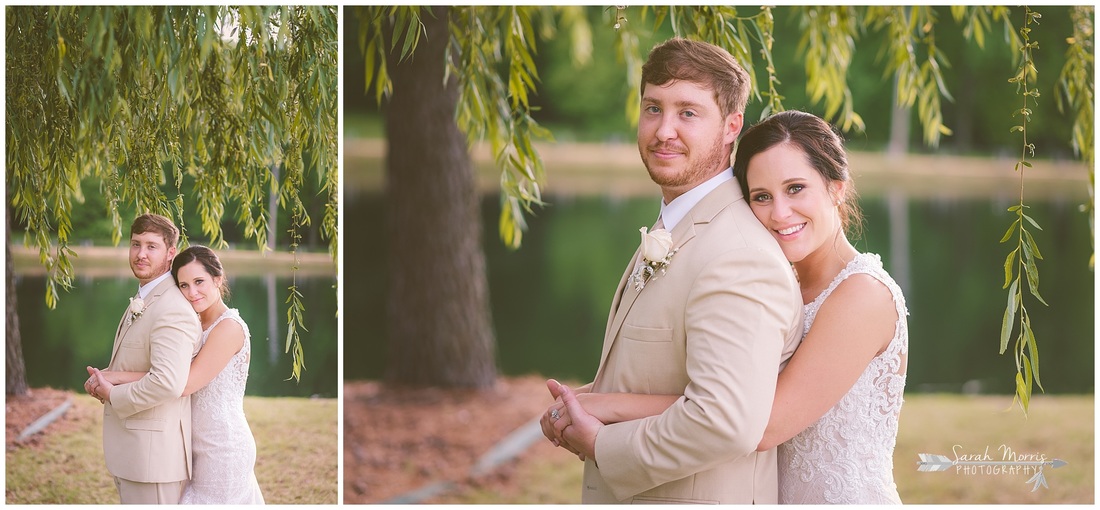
(480, 73)
(239, 101)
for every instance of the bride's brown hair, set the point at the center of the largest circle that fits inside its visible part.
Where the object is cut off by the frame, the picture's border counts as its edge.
(209, 261)
(824, 151)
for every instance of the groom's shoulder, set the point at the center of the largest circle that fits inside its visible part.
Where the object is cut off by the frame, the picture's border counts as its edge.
(735, 224)
(172, 300)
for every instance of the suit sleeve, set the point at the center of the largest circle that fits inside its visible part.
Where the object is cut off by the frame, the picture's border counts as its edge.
(171, 345)
(737, 318)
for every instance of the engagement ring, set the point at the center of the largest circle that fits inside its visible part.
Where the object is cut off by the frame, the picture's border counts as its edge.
(554, 414)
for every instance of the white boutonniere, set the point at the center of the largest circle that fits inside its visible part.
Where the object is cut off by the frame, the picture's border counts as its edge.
(657, 254)
(137, 307)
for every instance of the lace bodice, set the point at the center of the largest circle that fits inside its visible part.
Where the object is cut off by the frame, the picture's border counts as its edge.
(224, 395)
(847, 456)
(223, 450)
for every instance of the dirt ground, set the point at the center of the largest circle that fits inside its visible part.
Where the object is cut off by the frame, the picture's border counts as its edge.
(22, 411)
(397, 440)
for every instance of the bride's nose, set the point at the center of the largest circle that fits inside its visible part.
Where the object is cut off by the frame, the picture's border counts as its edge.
(780, 209)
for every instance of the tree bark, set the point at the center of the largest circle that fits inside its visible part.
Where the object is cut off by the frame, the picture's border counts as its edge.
(16, 375)
(899, 126)
(438, 318)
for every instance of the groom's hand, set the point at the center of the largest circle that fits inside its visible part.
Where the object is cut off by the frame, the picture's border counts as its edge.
(581, 430)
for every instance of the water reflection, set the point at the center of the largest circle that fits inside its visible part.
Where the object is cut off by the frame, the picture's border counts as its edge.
(550, 299)
(59, 343)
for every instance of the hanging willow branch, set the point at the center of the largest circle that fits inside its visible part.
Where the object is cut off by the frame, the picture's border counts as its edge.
(1021, 260)
(496, 106)
(140, 98)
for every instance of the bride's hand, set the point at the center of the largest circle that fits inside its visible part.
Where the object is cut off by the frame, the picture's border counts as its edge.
(92, 384)
(576, 426)
(101, 386)
(553, 414)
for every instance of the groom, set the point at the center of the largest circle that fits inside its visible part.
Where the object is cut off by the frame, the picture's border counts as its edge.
(146, 424)
(712, 322)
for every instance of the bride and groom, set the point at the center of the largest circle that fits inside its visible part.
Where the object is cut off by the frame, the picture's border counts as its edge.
(746, 319)
(174, 429)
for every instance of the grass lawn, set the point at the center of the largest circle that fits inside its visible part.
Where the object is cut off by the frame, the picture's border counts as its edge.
(296, 458)
(1059, 427)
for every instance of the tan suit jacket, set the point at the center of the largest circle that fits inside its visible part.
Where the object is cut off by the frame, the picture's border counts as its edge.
(146, 424)
(715, 328)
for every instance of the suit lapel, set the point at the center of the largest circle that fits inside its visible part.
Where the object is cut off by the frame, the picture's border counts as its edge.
(123, 327)
(612, 317)
(707, 208)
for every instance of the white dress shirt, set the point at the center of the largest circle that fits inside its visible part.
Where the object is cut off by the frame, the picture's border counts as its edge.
(672, 213)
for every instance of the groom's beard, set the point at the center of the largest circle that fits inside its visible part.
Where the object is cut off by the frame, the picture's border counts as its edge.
(151, 270)
(697, 171)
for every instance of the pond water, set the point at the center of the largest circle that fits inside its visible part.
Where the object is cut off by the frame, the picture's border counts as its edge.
(550, 298)
(59, 343)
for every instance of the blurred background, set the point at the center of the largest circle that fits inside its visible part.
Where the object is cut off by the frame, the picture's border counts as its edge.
(448, 332)
(59, 343)
(935, 215)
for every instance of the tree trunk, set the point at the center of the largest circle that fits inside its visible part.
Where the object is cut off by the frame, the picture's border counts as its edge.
(899, 126)
(16, 370)
(437, 316)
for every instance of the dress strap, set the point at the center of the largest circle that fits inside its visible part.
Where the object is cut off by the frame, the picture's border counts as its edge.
(871, 265)
(234, 315)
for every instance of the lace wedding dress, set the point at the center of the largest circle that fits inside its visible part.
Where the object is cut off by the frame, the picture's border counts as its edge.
(222, 448)
(847, 456)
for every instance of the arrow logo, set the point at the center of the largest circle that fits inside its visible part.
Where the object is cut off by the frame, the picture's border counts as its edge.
(930, 463)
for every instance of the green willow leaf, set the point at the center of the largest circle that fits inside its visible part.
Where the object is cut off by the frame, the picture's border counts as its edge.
(1010, 231)
(1009, 316)
(1033, 349)
(1033, 223)
(1022, 395)
(163, 97)
(1008, 267)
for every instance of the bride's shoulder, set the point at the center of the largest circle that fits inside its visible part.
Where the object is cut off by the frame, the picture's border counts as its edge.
(230, 327)
(864, 295)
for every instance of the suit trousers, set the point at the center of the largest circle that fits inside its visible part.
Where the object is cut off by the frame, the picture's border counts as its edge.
(142, 493)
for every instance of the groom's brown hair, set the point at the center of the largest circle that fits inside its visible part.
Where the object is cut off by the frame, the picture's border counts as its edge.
(702, 63)
(157, 224)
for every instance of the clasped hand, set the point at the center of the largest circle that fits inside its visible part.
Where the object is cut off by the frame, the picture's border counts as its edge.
(567, 425)
(97, 385)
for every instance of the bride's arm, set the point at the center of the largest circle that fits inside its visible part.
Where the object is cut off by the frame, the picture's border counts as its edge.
(852, 326)
(618, 407)
(225, 340)
(117, 378)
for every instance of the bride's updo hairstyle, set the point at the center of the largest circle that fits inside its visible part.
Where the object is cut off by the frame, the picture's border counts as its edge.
(824, 150)
(209, 261)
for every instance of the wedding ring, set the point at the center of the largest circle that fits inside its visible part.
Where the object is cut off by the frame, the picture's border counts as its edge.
(554, 414)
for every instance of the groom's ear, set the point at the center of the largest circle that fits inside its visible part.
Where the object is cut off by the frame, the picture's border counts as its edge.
(172, 253)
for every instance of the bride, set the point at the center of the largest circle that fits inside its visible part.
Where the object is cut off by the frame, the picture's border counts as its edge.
(836, 407)
(223, 449)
